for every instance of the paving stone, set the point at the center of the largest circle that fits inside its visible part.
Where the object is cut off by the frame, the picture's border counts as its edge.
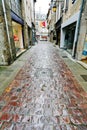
(26, 119)
(76, 120)
(17, 118)
(44, 95)
(19, 126)
(29, 127)
(6, 117)
(48, 127)
(82, 127)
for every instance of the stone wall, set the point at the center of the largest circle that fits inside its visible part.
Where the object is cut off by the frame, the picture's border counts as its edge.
(25, 28)
(72, 9)
(2, 60)
(82, 32)
(10, 28)
(3, 39)
(7, 52)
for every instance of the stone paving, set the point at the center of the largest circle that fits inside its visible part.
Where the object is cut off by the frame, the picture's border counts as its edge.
(44, 95)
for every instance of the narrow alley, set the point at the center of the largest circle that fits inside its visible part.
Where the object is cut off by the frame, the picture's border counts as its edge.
(44, 95)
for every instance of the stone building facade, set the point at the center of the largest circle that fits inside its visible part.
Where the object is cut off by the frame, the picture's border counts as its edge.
(71, 27)
(6, 40)
(74, 28)
(51, 19)
(15, 28)
(59, 14)
(41, 26)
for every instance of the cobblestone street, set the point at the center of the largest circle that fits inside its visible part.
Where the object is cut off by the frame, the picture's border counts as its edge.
(44, 95)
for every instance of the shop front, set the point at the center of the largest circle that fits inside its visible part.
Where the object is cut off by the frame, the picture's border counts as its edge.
(17, 35)
(17, 26)
(69, 37)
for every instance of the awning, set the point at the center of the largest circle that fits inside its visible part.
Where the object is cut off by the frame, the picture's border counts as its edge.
(16, 18)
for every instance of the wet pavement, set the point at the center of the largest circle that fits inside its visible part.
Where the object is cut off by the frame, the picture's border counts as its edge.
(44, 95)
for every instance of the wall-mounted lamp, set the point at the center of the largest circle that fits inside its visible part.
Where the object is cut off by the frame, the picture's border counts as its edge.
(54, 8)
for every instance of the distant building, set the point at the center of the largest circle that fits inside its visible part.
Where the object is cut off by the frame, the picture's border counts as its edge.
(41, 27)
(51, 19)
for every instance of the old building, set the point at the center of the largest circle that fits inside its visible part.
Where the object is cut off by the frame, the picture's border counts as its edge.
(74, 28)
(70, 25)
(51, 19)
(28, 22)
(59, 15)
(41, 26)
(33, 20)
(16, 18)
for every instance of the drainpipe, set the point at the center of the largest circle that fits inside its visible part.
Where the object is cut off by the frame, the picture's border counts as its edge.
(78, 28)
(7, 30)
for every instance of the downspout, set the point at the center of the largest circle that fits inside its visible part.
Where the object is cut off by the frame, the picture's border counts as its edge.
(78, 28)
(7, 30)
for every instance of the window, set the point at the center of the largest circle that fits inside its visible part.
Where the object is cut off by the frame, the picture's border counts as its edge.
(66, 3)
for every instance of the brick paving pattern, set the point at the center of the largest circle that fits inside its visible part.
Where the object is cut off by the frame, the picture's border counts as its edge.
(44, 95)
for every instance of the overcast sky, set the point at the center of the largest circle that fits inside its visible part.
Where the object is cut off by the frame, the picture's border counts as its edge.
(42, 6)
